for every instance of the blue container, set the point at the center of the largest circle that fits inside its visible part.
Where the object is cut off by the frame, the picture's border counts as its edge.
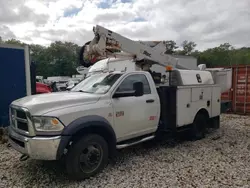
(14, 76)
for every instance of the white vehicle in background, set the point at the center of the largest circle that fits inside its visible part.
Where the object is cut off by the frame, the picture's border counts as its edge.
(40, 79)
(120, 103)
(72, 82)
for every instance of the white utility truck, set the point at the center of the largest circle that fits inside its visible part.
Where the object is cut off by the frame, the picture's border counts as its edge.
(120, 103)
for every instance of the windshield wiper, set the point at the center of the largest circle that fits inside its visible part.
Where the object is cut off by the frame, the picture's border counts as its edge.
(84, 91)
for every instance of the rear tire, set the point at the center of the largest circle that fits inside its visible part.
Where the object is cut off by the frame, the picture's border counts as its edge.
(199, 126)
(216, 122)
(87, 157)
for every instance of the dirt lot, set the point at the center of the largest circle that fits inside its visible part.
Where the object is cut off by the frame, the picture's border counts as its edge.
(222, 159)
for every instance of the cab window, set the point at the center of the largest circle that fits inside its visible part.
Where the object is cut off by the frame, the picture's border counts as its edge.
(127, 83)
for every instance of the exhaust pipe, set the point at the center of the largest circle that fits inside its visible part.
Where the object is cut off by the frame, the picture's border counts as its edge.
(23, 157)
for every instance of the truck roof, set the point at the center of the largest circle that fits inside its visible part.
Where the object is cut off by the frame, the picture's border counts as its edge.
(102, 65)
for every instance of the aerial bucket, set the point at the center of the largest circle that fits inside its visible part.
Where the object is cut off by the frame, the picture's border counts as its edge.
(222, 77)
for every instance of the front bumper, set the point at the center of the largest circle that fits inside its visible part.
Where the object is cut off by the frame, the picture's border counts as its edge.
(40, 148)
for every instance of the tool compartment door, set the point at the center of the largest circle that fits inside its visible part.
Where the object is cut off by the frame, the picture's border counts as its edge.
(184, 115)
(216, 102)
(190, 99)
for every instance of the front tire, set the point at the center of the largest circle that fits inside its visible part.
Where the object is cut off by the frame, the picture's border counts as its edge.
(87, 157)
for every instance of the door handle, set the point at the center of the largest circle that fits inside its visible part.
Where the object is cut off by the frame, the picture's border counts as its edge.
(150, 101)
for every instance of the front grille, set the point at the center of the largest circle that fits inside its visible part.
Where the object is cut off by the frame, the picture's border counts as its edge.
(22, 126)
(19, 120)
(21, 114)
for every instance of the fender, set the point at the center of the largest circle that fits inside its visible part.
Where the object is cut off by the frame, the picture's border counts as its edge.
(79, 124)
(204, 111)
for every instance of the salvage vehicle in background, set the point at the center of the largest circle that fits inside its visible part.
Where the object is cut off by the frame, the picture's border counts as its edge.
(42, 88)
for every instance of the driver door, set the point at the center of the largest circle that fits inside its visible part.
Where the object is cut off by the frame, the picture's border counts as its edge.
(133, 115)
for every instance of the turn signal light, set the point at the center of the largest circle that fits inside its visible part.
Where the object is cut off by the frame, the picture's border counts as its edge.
(54, 122)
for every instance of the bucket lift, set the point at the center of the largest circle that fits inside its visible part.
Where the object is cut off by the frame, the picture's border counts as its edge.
(108, 44)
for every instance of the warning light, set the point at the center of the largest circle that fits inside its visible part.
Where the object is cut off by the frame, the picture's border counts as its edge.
(168, 68)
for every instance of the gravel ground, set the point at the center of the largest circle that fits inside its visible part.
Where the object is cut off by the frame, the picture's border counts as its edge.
(222, 159)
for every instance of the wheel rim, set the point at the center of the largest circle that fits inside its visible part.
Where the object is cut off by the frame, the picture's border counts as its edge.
(91, 157)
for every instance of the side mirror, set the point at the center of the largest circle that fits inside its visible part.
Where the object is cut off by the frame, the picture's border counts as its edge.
(137, 91)
(138, 88)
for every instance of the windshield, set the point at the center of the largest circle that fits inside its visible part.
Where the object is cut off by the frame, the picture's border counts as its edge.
(97, 83)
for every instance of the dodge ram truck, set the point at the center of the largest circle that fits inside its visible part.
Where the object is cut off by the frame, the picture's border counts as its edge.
(107, 111)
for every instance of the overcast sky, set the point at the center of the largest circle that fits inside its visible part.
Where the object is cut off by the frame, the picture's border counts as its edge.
(206, 22)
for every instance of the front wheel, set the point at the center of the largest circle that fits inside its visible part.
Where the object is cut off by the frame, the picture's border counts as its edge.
(87, 157)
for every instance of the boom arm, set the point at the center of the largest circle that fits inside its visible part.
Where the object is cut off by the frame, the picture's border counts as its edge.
(106, 42)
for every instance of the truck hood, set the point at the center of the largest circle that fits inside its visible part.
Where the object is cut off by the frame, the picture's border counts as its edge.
(43, 103)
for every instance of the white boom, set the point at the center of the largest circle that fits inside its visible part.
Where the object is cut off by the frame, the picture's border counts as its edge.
(106, 42)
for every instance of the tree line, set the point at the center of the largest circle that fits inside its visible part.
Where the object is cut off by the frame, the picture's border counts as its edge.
(222, 55)
(62, 58)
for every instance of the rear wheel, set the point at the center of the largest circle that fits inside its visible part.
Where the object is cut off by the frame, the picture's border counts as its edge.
(199, 127)
(87, 157)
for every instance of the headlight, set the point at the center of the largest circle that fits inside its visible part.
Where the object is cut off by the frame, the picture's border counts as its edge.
(47, 124)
